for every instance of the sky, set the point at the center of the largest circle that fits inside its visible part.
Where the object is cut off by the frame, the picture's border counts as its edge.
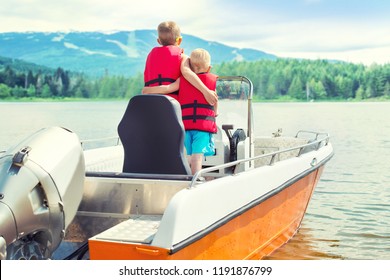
(355, 31)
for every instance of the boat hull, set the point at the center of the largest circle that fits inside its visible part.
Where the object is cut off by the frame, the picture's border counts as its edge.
(252, 234)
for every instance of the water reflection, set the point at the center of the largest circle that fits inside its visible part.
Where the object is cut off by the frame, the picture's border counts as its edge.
(303, 246)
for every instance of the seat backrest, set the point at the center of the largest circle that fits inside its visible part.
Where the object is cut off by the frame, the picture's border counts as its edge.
(152, 134)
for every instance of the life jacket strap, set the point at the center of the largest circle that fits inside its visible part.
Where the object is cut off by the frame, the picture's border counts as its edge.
(194, 116)
(201, 117)
(197, 105)
(159, 81)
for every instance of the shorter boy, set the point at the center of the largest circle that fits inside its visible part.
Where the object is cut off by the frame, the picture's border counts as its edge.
(198, 115)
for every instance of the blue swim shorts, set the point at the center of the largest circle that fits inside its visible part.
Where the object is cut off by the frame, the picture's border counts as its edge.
(199, 142)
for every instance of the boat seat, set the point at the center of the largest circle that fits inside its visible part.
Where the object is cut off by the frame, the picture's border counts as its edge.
(152, 134)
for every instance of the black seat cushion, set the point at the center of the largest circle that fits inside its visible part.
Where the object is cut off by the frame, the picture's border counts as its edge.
(152, 134)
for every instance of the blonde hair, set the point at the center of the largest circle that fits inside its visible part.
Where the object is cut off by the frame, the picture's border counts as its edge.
(168, 33)
(200, 60)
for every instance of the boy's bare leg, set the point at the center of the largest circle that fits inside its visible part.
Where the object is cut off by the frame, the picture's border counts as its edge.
(196, 163)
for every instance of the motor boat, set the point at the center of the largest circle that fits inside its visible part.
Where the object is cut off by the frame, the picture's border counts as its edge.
(137, 199)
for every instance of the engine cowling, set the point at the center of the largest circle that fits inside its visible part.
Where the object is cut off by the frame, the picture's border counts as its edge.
(41, 186)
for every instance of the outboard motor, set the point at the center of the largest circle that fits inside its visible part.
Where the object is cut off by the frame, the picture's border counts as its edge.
(41, 186)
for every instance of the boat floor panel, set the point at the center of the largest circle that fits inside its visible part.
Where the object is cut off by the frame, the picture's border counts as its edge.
(139, 229)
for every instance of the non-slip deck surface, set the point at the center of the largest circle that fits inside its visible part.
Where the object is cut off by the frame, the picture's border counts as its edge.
(139, 229)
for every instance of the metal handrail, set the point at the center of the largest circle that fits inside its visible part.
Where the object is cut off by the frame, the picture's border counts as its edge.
(100, 140)
(250, 123)
(317, 142)
(312, 132)
(239, 79)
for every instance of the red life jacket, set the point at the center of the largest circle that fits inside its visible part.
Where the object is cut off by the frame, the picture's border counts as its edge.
(163, 67)
(197, 113)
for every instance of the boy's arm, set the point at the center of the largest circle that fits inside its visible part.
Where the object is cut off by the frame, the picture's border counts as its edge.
(216, 109)
(190, 76)
(163, 89)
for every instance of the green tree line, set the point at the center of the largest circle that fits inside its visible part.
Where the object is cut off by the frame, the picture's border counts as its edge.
(280, 79)
(63, 84)
(320, 79)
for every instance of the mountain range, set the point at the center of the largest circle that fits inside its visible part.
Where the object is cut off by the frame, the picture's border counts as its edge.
(99, 53)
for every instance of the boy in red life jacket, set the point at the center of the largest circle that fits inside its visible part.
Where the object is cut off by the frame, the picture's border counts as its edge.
(163, 63)
(166, 63)
(198, 115)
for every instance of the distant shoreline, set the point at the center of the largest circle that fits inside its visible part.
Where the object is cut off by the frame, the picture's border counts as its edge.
(255, 100)
(49, 100)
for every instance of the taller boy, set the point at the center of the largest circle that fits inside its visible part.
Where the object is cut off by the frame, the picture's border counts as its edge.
(163, 63)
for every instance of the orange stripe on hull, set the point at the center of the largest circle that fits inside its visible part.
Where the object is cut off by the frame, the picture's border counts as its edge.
(254, 234)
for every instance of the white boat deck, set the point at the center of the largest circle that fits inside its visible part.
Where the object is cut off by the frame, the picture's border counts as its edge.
(138, 229)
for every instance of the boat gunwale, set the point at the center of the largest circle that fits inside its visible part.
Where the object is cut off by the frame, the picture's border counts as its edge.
(317, 142)
(197, 236)
(142, 176)
(194, 179)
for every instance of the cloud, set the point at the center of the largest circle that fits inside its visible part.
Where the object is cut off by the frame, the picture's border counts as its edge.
(325, 36)
(92, 15)
(283, 26)
(315, 31)
(368, 56)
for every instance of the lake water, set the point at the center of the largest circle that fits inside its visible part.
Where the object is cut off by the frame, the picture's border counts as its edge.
(349, 214)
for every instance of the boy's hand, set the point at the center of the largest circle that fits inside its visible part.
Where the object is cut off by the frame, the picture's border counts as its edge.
(211, 97)
(163, 89)
(147, 90)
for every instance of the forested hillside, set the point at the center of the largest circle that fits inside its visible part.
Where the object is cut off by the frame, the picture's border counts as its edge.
(281, 79)
(324, 80)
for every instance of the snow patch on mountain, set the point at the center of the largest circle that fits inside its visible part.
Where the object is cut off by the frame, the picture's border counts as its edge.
(89, 52)
(58, 38)
(238, 57)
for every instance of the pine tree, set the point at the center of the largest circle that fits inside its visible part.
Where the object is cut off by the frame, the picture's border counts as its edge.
(5, 91)
(296, 88)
